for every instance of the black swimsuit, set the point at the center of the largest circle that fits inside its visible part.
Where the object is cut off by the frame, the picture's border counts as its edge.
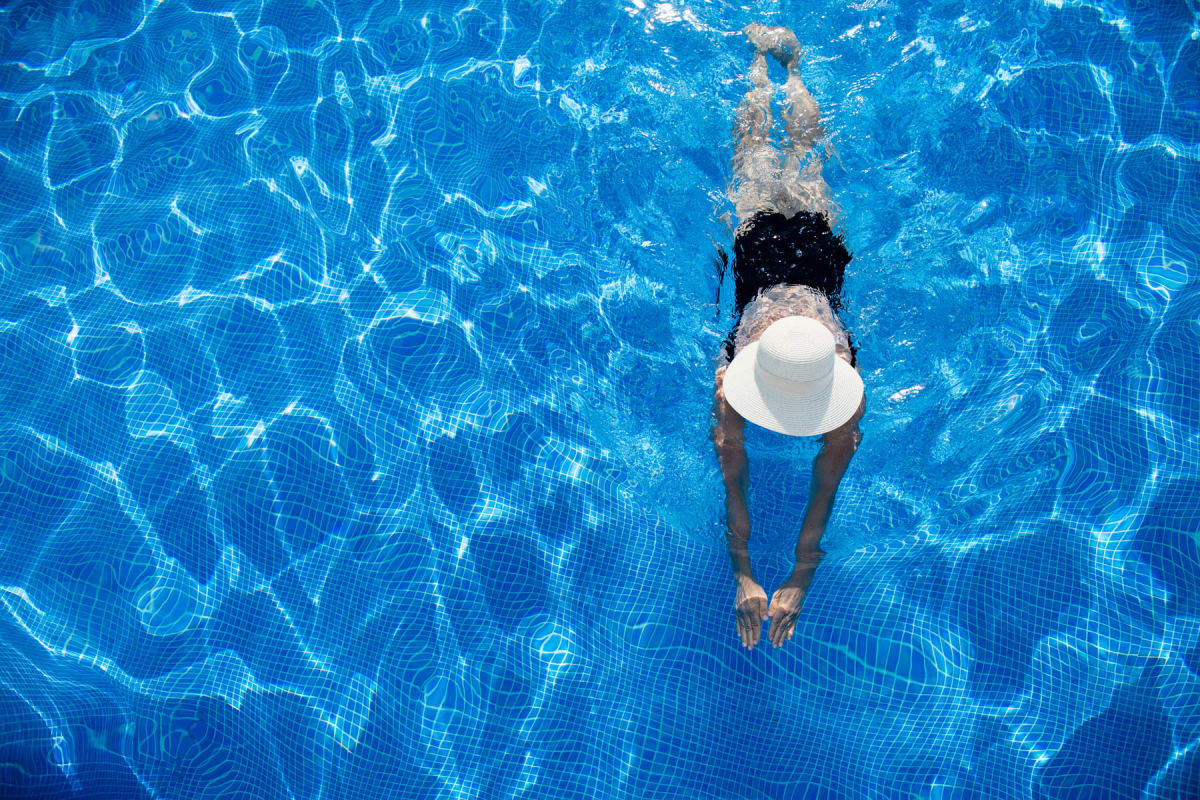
(773, 249)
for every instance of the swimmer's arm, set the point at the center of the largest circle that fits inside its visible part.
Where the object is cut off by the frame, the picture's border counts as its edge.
(729, 439)
(837, 448)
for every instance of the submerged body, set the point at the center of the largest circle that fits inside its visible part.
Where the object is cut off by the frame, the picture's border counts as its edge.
(791, 299)
(788, 263)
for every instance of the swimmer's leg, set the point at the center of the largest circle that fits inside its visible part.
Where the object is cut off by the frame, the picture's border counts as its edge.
(755, 160)
(803, 164)
(787, 180)
(801, 114)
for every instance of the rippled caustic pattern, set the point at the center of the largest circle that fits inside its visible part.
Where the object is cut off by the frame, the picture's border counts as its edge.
(355, 364)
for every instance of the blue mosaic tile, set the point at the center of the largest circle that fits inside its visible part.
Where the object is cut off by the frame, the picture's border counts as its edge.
(356, 367)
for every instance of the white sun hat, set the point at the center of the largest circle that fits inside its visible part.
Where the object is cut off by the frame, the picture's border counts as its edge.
(792, 381)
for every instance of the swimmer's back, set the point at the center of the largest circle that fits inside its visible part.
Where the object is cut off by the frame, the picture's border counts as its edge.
(785, 266)
(785, 300)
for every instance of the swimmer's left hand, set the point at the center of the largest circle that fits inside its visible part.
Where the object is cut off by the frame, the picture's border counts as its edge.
(784, 610)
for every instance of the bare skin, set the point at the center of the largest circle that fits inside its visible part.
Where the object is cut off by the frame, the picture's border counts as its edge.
(762, 179)
(829, 465)
(786, 176)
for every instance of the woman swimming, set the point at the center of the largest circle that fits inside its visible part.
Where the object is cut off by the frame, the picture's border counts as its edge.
(789, 364)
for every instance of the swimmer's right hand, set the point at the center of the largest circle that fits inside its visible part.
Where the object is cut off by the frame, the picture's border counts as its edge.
(751, 605)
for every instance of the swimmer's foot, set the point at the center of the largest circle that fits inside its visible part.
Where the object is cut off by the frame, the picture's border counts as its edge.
(778, 41)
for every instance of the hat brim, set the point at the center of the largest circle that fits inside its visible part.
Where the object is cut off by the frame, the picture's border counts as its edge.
(794, 415)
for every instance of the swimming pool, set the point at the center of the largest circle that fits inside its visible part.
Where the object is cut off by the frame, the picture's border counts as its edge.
(356, 371)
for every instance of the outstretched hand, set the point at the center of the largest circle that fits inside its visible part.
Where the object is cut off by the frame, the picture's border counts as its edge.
(785, 609)
(751, 604)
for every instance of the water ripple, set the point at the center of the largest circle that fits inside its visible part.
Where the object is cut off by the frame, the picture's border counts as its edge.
(356, 361)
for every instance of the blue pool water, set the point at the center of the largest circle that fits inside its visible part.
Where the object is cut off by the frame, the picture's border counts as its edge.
(356, 362)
